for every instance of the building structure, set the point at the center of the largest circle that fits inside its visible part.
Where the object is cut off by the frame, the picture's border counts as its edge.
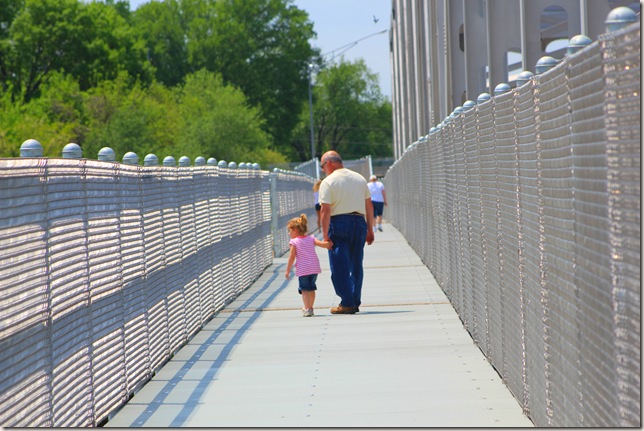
(445, 52)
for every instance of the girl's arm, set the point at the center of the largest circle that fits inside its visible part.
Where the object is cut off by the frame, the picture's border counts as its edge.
(291, 260)
(323, 244)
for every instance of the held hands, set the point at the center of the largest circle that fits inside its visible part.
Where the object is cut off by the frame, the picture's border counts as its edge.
(326, 244)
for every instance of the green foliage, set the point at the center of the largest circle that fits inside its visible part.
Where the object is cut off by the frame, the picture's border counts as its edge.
(260, 46)
(139, 119)
(213, 78)
(160, 26)
(350, 114)
(54, 119)
(90, 41)
(214, 116)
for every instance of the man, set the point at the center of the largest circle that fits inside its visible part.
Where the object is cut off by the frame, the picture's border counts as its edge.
(346, 202)
(379, 200)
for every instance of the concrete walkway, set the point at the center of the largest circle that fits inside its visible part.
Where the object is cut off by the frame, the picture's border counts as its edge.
(404, 361)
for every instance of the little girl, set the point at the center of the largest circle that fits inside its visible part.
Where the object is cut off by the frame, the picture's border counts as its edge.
(307, 267)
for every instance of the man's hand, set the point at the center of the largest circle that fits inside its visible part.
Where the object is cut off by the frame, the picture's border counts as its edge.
(370, 236)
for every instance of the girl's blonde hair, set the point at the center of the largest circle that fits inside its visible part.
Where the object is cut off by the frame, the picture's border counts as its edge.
(316, 186)
(299, 223)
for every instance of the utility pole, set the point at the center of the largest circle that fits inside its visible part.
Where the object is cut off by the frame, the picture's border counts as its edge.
(311, 111)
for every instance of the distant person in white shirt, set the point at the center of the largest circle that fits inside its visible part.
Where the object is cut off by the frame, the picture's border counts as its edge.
(379, 200)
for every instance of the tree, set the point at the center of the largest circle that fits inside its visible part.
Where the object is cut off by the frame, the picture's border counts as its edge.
(259, 46)
(131, 118)
(54, 119)
(216, 121)
(161, 25)
(110, 45)
(92, 42)
(8, 11)
(350, 114)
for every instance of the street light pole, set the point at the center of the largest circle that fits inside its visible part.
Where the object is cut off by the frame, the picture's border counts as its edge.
(311, 111)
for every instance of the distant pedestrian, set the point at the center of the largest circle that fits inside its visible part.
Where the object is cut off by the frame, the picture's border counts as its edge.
(316, 195)
(307, 264)
(379, 200)
(346, 202)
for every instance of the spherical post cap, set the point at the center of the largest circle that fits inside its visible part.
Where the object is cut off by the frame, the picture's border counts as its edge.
(151, 160)
(619, 18)
(257, 166)
(130, 158)
(169, 161)
(184, 161)
(200, 161)
(501, 88)
(222, 164)
(212, 161)
(31, 148)
(232, 165)
(242, 165)
(106, 154)
(545, 63)
(72, 151)
(469, 104)
(483, 97)
(524, 77)
(577, 43)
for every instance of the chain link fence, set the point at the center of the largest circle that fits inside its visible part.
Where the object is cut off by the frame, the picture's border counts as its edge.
(107, 269)
(526, 209)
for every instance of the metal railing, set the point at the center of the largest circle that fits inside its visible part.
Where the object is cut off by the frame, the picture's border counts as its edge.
(107, 269)
(526, 208)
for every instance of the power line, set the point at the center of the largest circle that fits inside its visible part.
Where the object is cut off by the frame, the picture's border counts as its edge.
(350, 45)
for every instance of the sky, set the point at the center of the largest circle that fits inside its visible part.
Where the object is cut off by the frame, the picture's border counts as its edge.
(349, 28)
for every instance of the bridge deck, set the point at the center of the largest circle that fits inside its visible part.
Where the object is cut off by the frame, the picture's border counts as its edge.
(404, 361)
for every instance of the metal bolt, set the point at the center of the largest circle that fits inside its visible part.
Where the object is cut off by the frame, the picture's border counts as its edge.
(483, 97)
(619, 18)
(501, 88)
(577, 43)
(130, 158)
(72, 151)
(151, 160)
(106, 154)
(544, 64)
(524, 77)
(469, 104)
(31, 148)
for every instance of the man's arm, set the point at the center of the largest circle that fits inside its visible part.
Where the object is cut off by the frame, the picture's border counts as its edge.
(369, 207)
(325, 217)
(384, 196)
